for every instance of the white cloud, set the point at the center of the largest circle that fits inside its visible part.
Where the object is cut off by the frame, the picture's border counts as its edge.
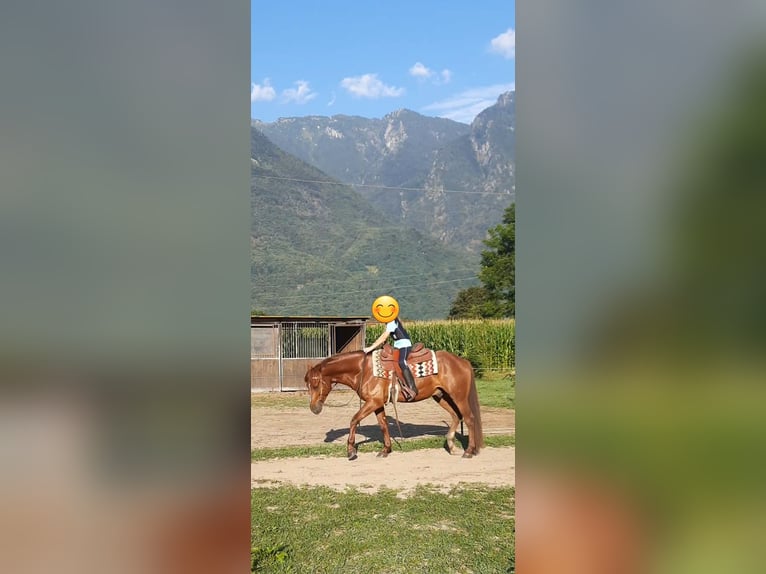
(504, 44)
(300, 94)
(369, 86)
(465, 106)
(423, 72)
(332, 100)
(262, 93)
(420, 71)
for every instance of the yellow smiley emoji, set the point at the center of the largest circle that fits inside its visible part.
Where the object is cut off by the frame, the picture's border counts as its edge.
(385, 309)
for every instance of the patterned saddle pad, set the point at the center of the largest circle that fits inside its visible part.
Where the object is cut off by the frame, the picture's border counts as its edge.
(424, 365)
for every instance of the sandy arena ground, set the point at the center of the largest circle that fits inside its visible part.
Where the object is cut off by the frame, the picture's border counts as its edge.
(274, 427)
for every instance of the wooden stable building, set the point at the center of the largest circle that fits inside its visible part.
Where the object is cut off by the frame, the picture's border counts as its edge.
(283, 348)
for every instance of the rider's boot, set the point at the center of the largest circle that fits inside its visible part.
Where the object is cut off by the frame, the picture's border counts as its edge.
(410, 380)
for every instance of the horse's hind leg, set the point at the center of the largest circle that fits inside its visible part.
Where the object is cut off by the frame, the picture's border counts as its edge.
(444, 403)
(468, 418)
(471, 450)
(381, 414)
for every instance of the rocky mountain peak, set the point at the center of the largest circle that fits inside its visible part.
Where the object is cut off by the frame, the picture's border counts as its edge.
(401, 113)
(424, 157)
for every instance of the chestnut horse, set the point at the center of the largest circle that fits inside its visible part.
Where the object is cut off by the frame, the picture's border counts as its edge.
(453, 388)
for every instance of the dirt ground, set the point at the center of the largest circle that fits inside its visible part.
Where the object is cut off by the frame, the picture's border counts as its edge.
(277, 426)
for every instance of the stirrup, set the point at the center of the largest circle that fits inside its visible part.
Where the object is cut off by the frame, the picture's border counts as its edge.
(409, 394)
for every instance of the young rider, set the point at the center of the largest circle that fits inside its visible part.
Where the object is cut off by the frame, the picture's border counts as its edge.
(386, 310)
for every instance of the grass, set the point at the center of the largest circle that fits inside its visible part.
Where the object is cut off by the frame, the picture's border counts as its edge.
(409, 445)
(293, 399)
(317, 530)
(497, 389)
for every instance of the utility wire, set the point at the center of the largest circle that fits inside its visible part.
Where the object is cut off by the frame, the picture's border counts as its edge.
(374, 186)
(313, 296)
(385, 277)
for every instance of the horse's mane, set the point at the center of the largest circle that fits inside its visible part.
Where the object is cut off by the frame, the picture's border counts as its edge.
(336, 357)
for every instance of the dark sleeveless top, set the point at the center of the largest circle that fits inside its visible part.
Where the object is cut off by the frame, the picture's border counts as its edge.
(399, 332)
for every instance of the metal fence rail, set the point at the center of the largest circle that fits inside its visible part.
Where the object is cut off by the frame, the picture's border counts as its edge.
(304, 340)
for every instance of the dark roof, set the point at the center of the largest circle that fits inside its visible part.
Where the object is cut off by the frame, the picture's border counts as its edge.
(320, 319)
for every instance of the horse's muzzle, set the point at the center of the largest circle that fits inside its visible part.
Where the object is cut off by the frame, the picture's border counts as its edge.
(316, 408)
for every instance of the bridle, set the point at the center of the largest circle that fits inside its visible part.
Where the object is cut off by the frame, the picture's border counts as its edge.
(327, 386)
(316, 380)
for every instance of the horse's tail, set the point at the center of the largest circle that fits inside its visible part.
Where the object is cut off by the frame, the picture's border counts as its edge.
(473, 403)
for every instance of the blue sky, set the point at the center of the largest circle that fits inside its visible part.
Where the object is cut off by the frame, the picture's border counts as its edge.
(369, 58)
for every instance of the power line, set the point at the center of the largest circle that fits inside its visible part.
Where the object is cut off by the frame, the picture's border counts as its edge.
(309, 295)
(383, 187)
(386, 277)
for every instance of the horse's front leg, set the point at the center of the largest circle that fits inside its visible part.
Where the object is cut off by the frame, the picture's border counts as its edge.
(366, 409)
(380, 412)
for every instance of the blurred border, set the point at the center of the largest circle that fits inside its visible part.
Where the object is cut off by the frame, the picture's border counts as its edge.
(124, 221)
(641, 146)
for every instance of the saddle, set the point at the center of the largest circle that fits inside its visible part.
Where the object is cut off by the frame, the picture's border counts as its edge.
(421, 361)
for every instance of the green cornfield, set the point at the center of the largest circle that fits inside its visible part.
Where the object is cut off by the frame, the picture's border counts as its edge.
(489, 344)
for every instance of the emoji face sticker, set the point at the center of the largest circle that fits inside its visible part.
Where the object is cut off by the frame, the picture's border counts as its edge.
(385, 309)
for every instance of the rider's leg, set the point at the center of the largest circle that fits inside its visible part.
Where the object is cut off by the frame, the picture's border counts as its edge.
(406, 373)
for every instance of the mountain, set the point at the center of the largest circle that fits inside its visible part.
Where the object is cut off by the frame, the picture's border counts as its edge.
(319, 248)
(393, 151)
(446, 179)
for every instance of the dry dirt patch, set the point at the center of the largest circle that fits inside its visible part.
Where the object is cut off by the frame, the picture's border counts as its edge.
(280, 426)
(400, 470)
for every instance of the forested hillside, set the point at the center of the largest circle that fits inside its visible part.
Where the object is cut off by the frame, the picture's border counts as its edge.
(319, 248)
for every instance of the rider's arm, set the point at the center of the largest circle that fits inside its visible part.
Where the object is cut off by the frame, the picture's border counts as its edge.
(378, 342)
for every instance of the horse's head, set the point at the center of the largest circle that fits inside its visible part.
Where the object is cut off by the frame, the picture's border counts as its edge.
(318, 388)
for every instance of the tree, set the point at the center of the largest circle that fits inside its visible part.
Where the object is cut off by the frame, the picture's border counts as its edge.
(469, 303)
(498, 273)
(497, 296)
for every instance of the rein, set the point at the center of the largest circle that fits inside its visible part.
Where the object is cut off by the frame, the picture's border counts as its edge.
(361, 380)
(359, 394)
(396, 414)
(348, 402)
(334, 384)
(358, 388)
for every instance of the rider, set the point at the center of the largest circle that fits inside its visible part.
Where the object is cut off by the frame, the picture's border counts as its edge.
(386, 310)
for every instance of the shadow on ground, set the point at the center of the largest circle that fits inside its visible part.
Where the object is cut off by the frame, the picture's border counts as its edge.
(408, 430)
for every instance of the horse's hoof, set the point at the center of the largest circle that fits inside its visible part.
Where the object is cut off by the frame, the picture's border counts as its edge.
(383, 454)
(467, 455)
(352, 456)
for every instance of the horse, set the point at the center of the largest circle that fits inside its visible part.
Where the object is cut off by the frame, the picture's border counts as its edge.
(453, 388)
